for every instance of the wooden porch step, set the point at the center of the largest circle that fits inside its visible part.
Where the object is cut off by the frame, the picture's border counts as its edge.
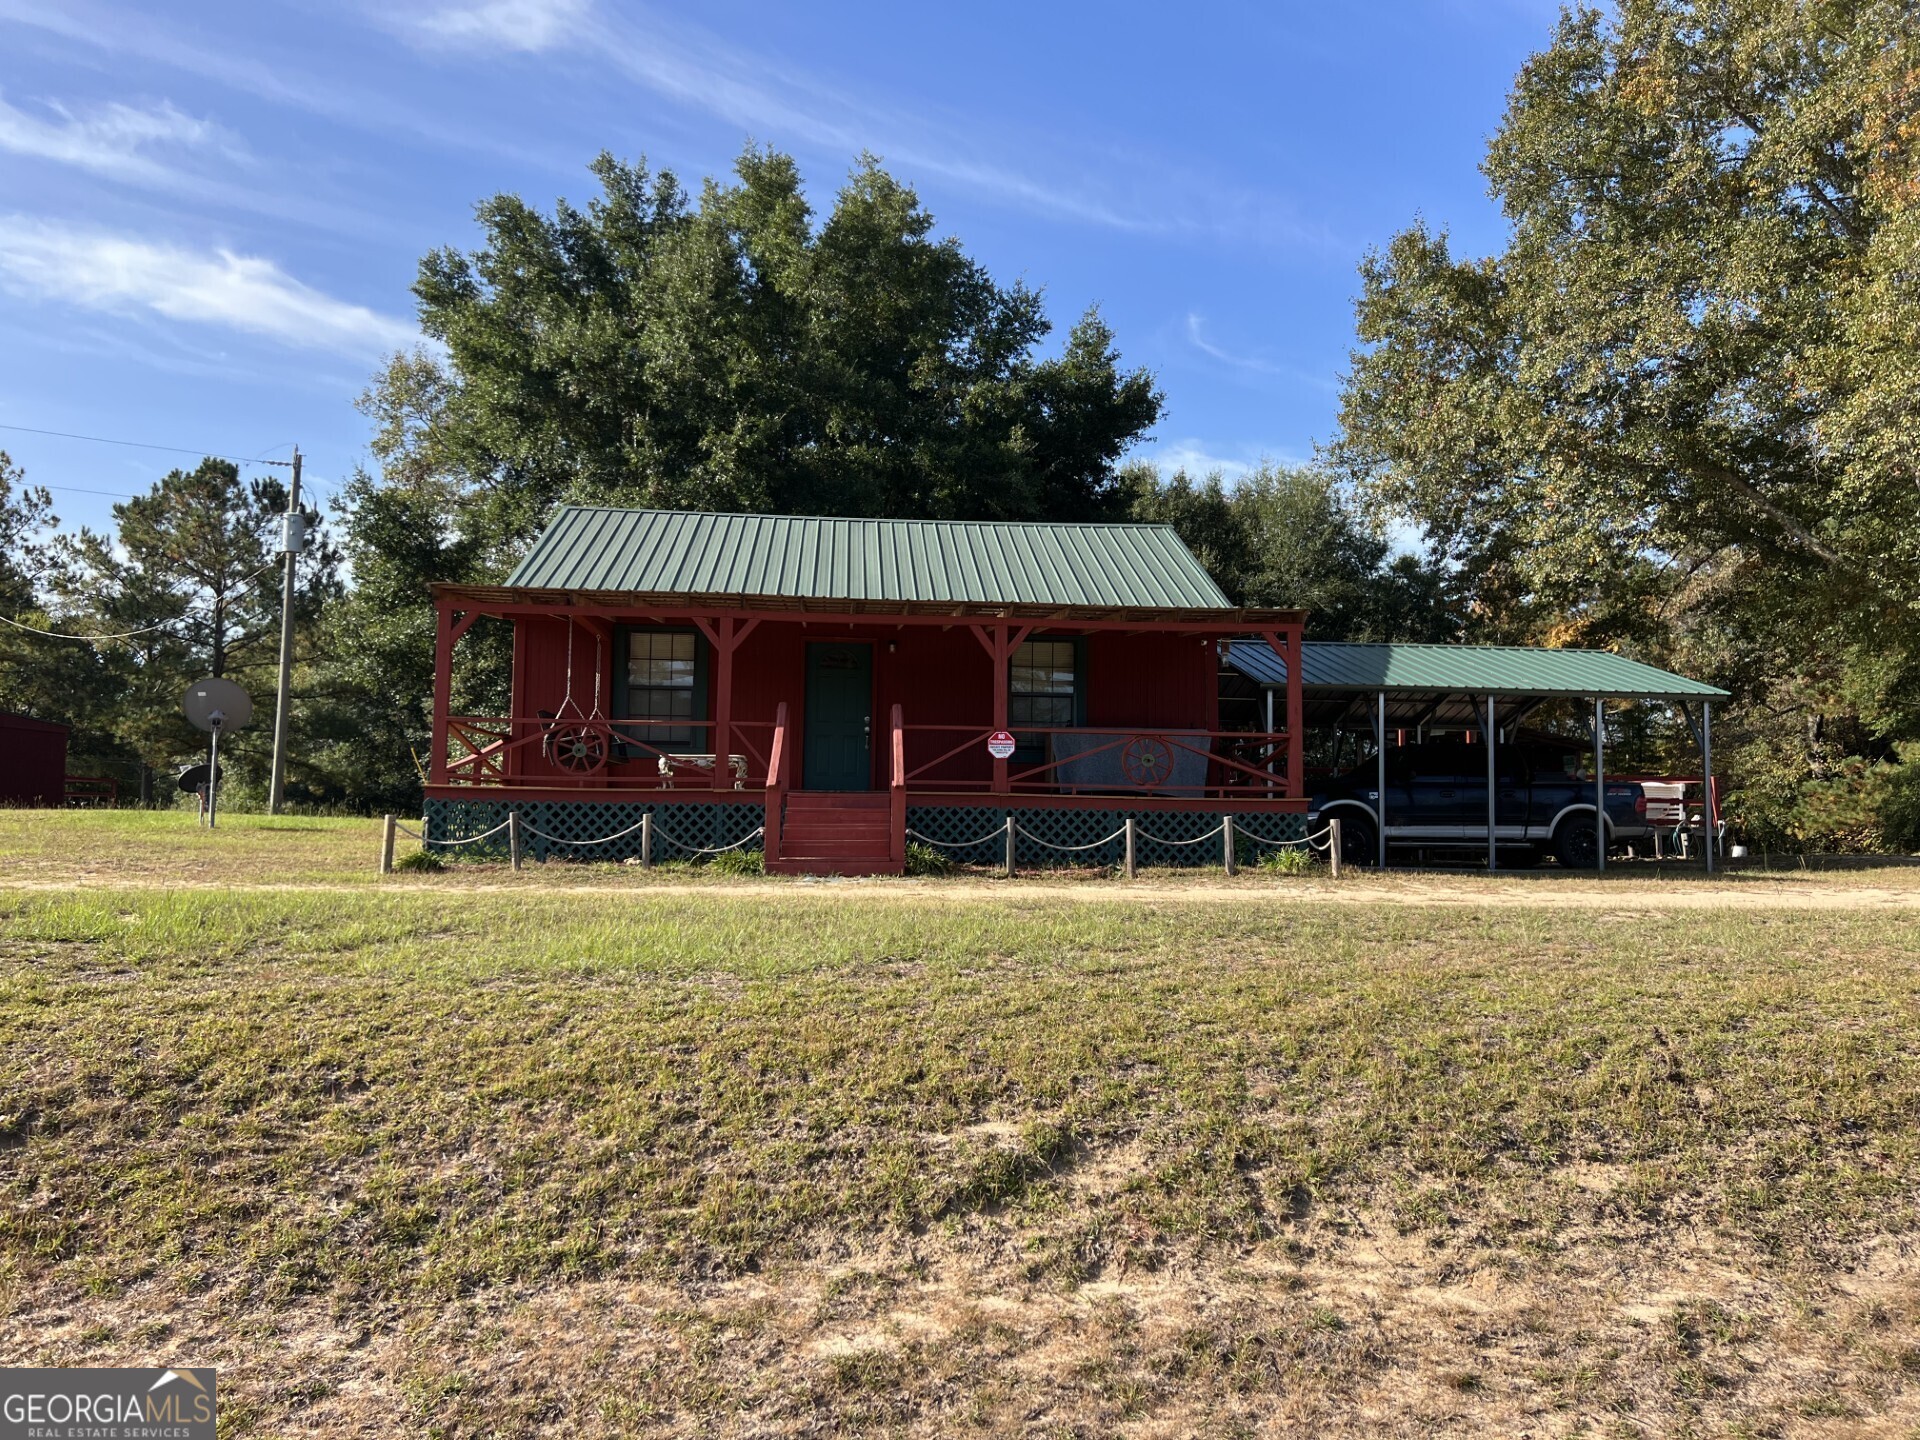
(837, 825)
(838, 800)
(821, 847)
(809, 865)
(837, 832)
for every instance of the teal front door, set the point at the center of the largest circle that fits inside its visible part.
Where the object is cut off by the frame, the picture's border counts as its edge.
(839, 748)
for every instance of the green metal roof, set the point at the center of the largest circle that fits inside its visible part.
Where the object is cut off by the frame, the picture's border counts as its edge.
(678, 552)
(1500, 670)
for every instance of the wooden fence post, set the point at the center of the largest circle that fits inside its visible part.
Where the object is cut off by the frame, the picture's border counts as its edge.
(1333, 845)
(386, 844)
(1129, 863)
(1226, 845)
(646, 841)
(1010, 840)
(513, 837)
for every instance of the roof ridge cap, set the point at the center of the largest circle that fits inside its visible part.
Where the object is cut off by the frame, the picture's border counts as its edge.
(873, 519)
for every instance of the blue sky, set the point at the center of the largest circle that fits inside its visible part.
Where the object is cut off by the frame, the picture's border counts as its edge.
(210, 213)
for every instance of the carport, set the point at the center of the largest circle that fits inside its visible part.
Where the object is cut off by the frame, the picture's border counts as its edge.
(1490, 689)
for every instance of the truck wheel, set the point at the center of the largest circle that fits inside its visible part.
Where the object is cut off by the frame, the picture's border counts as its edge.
(1575, 845)
(1359, 841)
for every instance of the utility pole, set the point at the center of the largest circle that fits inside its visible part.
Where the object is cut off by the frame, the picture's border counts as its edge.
(293, 540)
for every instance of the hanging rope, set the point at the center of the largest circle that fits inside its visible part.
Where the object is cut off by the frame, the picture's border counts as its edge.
(712, 850)
(1070, 849)
(996, 833)
(471, 839)
(1155, 839)
(604, 839)
(568, 699)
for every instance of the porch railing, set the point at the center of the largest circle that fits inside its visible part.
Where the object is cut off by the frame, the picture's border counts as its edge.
(551, 752)
(1233, 764)
(562, 752)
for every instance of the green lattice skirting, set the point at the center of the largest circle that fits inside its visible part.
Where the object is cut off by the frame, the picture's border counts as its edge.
(952, 824)
(675, 826)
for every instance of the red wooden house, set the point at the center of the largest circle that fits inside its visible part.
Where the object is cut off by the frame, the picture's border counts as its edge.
(828, 688)
(33, 761)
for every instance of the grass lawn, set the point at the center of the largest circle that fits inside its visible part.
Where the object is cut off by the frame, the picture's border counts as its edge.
(588, 1152)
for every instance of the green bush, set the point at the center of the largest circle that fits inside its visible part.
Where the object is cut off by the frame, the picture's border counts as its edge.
(1293, 860)
(925, 860)
(421, 860)
(738, 862)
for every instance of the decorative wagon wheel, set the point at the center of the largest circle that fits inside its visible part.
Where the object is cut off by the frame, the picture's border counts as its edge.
(580, 748)
(1147, 760)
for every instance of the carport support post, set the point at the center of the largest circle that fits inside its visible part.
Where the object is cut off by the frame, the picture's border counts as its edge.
(1380, 778)
(1706, 779)
(1492, 793)
(1599, 783)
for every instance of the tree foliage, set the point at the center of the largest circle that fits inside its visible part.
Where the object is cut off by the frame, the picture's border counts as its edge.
(740, 353)
(1680, 411)
(1292, 536)
(191, 567)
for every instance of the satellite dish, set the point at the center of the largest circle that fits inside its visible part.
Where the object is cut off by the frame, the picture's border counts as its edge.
(195, 776)
(215, 704)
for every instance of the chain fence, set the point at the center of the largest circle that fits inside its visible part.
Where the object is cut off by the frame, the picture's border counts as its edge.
(1320, 840)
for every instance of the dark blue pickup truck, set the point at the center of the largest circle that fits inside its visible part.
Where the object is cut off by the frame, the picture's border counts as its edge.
(1437, 800)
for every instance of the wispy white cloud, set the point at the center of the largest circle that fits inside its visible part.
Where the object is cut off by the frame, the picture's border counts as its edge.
(280, 80)
(1253, 364)
(756, 95)
(529, 25)
(125, 142)
(120, 274)
(1201, 458)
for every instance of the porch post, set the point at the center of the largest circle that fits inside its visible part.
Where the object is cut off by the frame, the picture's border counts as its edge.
(1269, 745)
(1706, 782)
(442, 690)
(723, 703)
(1492, 791)
(1286, 644)
(1296, 714)
(1002, 653)
(1600, 783)
(1380, 776)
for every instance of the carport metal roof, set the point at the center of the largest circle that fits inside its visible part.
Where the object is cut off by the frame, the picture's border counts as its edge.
(1440, 684)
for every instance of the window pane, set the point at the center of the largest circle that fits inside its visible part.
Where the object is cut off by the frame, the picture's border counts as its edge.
(660, 684)
(1043, 667)
(1041, 694)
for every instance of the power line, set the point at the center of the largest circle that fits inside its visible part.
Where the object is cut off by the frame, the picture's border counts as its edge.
(232, 589)
(82, 490)
(145, 445)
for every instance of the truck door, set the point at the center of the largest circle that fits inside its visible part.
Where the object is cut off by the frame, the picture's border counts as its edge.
(1439, 792)
(1512, 796)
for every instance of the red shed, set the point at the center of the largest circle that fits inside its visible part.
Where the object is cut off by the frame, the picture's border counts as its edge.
(33, 762)
(832, 688)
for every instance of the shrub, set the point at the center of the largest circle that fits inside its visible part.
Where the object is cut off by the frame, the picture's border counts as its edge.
(738, 862)
(1293, 860)
(421, 860)
(925, 860)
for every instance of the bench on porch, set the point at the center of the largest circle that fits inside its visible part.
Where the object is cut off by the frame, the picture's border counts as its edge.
(681, 763)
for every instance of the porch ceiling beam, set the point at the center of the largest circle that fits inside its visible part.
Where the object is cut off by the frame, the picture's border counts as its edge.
(1209, 629)
(501, 599)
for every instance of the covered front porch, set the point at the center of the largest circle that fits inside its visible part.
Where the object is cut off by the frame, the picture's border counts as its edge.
(838, 731)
